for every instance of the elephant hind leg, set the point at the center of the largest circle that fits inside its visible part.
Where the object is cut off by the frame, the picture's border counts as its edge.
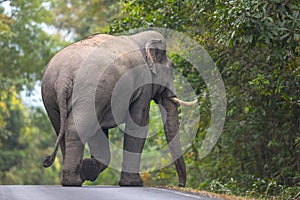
(73, 156)
(100, 156)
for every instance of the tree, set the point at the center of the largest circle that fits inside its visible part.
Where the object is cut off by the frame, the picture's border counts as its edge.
(25, 48)
(30, 33)
(255, 45)
(82, 18)
(11, 122)
(24, 141)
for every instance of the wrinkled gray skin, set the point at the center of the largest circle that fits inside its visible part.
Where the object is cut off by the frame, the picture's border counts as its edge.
(85, 74)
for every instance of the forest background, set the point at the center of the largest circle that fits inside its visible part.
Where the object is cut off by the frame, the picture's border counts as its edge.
(254, 44)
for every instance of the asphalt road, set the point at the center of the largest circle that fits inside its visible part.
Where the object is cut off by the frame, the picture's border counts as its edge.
(18, 192)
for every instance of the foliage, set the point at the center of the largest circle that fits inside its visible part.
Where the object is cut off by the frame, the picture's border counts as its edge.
(177, 15)
(11, 121)
(25, 48)
(24, 139)
(255, 45)
(82, 18)
(273, 23)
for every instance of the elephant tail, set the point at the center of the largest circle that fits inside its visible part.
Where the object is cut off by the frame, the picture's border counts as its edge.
(62, 104)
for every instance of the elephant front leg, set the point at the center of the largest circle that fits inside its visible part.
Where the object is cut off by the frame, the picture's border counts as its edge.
(134, 140)
(131, 161)
(73, 156)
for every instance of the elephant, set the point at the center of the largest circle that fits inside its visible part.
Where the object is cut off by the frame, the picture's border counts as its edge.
(80, 97)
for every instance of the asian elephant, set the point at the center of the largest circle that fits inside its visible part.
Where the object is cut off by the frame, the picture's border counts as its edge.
(100, 82)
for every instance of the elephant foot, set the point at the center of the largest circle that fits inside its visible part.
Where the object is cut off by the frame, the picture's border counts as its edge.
(90, 169)
(71, 180)
(130, 180)
(67, 184)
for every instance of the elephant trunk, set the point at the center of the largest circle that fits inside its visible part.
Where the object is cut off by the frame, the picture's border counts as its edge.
(171, 128)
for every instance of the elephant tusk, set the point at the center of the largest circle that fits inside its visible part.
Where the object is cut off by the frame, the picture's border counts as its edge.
(184, 103)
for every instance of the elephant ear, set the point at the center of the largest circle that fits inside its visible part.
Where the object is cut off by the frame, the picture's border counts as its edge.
(155, 53)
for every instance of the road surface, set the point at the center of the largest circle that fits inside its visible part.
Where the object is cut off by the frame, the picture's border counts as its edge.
(13, 192)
